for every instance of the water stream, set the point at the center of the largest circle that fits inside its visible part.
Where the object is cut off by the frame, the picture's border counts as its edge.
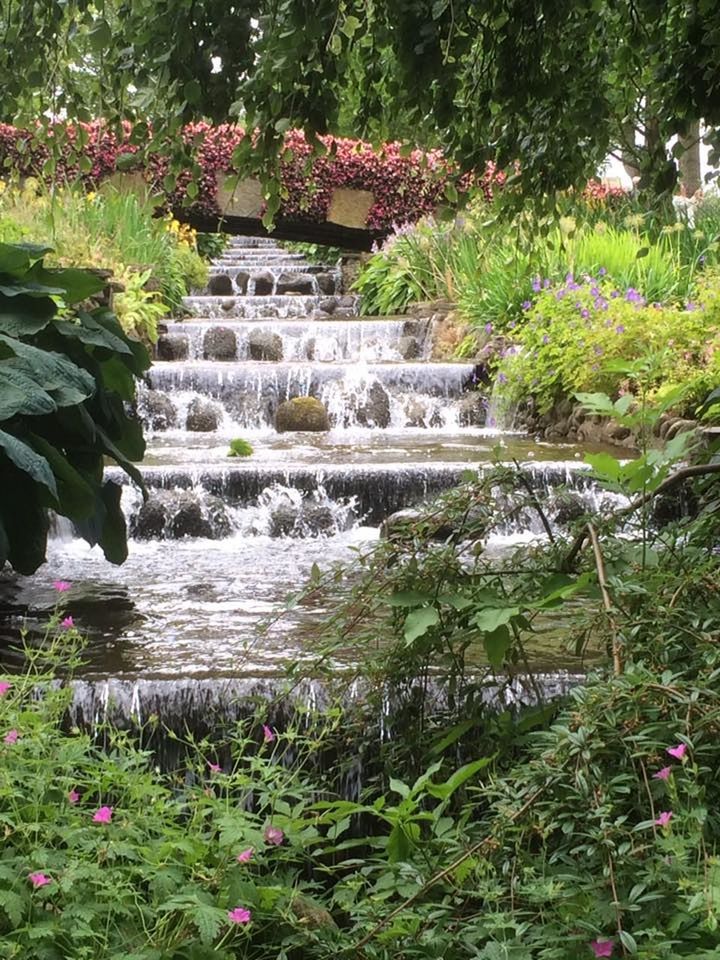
(222, 542)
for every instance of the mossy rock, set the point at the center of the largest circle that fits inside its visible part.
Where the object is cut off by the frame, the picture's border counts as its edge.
(302, 414)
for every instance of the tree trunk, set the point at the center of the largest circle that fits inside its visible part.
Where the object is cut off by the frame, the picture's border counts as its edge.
(689, 162)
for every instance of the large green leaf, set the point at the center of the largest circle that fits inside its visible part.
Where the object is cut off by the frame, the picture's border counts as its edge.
(17, 257)
(490, 618)
(21, 394)
(87, 330)
(113, 539)
(112, 451)
(24, 316)
(117, 377)
(75, 495)
(25, 519)
(74, 284)
(27, 460)
(51, 370)
(418, 622)
(496, 645)
(141, 358)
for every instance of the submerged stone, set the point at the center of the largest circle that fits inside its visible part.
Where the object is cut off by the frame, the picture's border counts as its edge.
(264, 345)
(220, 344)
(202, 416)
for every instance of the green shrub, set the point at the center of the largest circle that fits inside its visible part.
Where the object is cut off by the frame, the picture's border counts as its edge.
(574, 331)
(66, 373)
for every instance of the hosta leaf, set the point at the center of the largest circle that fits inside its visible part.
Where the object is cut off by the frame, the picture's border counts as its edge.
(88, 330)
(27, 460)
(21, 394)
(75, 495)
(24, 316)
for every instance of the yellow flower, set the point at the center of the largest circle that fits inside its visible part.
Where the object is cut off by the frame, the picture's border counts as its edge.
(567, 225)
(3, 186)
(90, 196)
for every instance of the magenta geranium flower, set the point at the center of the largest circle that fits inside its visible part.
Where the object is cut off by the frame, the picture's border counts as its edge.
(662, 774)
(214, 767)
(4, 687)
(678, 752)
(664, 819)
(11, 736)
(602, 948)
(274, 835)
(61, 585)
(68, 623)
(73, 796)
(268, 733)
(239, 915)
(38, 879)
(103, 815)
(245, 855)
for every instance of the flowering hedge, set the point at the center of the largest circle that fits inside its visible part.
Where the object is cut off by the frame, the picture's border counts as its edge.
(405, 187)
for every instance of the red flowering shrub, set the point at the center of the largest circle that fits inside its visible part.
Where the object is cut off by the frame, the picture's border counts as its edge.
(405, 187)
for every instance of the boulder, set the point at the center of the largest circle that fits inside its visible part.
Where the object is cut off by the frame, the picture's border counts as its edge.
(347, 302)
(241, 282)
(408, 348)
(264, 283)
(472, 410)
(172, 346)
(220, 285)
(302, 414)
(415, 413)
(327, 304)
(202, 416)
(326, 282)
(172, 514)
(567, 508)
(157, 410)
(307, 519)
(220, 344)
(374, 409)
(264, 345)
(227, 306)
(300, 283)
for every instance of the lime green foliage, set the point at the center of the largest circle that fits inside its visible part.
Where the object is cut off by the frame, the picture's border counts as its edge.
(66, 375)
(211, 245)
(574, 331)
(314, 252)
(137, 308)
(111, 230)
(240, 448)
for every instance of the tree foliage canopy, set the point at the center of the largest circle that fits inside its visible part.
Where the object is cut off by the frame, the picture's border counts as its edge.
(551, 83)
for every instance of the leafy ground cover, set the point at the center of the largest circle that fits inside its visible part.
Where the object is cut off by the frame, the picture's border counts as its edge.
(559, 832)
(155, 260)
(563, 296)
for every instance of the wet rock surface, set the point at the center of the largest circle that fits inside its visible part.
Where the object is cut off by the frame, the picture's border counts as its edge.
(172, 346)
(220, 285)
(174, 514)
(300, 283)
(264, 283)
(220, 343)
(203, 416)
(157, 410)
(302, 414)
(264, 345)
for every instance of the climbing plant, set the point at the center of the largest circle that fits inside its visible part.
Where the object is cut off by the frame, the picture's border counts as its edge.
(67, 370)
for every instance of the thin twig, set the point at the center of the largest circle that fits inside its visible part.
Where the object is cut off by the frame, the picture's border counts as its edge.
(607, 602)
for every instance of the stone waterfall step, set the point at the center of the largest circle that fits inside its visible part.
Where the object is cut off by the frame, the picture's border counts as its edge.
(279, 306)
(330, 340)
(283, 266)
(238, 281)
(373, 492)
(374, 395)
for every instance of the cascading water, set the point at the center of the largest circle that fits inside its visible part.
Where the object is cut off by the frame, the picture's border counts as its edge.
(222, 542)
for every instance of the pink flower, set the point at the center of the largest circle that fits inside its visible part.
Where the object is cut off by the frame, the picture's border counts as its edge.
(4, 687)
(38, 880)
(268, 733)
(68, 623)
(245, 855)
(239, 915)
(602, 948)
(73, 796)
(678, 752)
(103, 815)
(664, 819)
(663, 774)
(274, 835)
(11, 736)
(214, 767)
(61, 585)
